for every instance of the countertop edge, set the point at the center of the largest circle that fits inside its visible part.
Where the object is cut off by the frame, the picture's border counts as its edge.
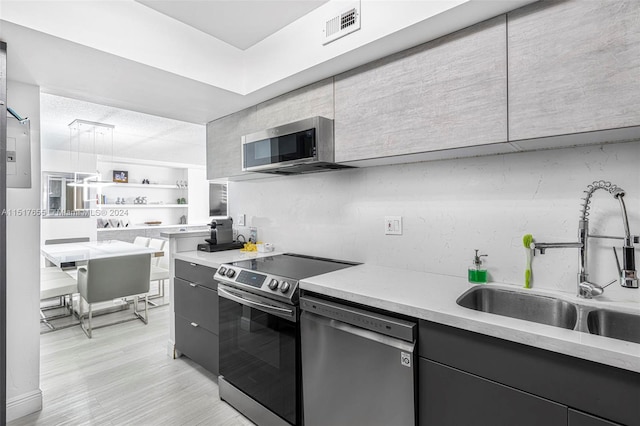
(215, 259)
(603, 350)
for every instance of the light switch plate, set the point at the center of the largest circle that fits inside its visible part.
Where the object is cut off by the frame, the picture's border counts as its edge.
(393, 225)
(241, 220)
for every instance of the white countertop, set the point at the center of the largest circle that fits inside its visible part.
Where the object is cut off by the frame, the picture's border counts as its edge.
(433, 297)
(143, 226)
(217, 258)
(187, 233)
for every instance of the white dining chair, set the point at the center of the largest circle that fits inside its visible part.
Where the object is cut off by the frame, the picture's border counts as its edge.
(141, 241)
(56, 283)
(112, 278)
(158, 245)
(159, 266)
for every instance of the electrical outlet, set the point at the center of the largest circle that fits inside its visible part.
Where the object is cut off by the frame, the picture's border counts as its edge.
(241, 220)
(393, 225)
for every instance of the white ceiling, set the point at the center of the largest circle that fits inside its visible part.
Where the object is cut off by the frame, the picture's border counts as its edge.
(135, 135)
(240, 23)
(195, 61)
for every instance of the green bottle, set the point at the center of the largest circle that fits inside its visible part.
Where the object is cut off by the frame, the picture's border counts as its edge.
(476, 273)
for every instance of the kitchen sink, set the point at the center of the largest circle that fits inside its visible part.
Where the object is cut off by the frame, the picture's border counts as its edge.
(617, 325)
(526, 306)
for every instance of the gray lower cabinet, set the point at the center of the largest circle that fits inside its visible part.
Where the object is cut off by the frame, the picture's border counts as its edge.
(573, 67)
(486, 376)
(450, 397)
(576, 418)
(196, 314)
(448, 93)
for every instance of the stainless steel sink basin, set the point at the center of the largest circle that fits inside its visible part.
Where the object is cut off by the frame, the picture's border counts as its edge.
(526, 306)
(617, 325)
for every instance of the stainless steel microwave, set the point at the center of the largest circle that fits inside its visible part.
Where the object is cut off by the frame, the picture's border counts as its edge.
(304, 146)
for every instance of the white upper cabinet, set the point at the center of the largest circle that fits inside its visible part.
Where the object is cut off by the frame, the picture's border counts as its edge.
(448, 93)
(574, 66)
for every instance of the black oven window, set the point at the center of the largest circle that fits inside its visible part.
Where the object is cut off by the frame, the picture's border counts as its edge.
(257, 334)
(258, 355)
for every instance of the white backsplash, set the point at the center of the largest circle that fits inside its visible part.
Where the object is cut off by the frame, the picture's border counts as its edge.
(449, 208)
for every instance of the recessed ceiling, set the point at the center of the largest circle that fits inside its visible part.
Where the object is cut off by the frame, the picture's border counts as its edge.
(126, 54)
(135, 135)
(241, 24)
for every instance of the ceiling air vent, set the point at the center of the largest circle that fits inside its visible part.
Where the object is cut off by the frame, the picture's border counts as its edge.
(342, 23)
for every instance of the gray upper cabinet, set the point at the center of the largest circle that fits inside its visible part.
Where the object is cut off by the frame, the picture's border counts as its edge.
(574, 66)
(224, 157)
(448, 93)
(309, 101)
(224, 151)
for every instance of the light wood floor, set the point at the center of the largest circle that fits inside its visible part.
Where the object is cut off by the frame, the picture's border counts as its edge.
(123, 376)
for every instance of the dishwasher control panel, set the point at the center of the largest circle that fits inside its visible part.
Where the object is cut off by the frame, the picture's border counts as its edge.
(362, 318)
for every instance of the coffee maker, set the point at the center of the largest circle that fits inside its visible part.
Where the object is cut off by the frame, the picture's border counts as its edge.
(221, 237)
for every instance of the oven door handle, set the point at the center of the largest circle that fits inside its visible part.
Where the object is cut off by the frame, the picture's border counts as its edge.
(270, 309)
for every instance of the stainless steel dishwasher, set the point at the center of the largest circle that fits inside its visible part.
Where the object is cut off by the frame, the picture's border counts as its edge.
(358, 367)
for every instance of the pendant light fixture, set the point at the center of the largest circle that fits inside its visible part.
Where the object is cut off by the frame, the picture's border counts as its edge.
(89, 137)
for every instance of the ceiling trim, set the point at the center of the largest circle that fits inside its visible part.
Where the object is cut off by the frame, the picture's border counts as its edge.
(131, 30)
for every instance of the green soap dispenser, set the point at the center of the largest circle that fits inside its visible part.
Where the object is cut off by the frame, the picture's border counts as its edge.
(477, 274)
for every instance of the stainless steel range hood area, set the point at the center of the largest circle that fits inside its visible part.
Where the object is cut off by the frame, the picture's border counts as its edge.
(305, 146)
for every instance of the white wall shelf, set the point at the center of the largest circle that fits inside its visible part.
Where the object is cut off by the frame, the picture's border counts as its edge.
(163, 196)
(141, 206)
(145, 185)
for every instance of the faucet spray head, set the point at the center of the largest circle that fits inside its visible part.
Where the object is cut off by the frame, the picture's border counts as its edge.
(618, 192)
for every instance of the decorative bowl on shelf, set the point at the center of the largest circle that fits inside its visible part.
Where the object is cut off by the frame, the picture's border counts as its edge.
(153, 222)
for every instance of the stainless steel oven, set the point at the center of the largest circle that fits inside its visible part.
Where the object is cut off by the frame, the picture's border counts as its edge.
(259, 350)
(260, 370)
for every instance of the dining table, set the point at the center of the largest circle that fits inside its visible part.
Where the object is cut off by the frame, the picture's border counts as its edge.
(73, 254)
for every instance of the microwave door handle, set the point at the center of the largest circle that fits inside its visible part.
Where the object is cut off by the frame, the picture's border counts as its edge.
(282, 312)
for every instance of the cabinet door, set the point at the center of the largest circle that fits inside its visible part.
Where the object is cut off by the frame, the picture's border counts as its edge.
(224, 158)
(309, 101)
(199, 344)
(553, 376)
(577, 418)
(197, 274)
(574, 66)
(450, 397)
(448, 93)
(197, 304)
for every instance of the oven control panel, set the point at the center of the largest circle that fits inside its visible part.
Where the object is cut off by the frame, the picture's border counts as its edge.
(271, 285)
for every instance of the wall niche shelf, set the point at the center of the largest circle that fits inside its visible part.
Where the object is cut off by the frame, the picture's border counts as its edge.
(141, 206)
(146, 186)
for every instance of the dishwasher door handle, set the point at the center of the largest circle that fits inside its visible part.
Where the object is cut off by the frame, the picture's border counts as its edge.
(361, 332)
